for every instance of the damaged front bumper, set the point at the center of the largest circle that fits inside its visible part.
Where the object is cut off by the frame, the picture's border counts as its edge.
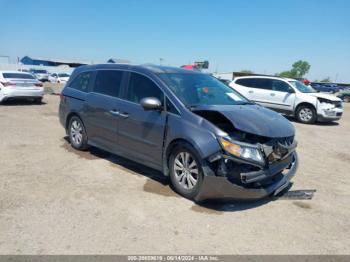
(252, 185)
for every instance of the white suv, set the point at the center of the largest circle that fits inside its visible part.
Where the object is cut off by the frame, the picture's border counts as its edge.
(290, 97)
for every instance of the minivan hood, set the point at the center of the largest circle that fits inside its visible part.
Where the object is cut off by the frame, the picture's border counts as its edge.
(325, 96)
(254, 119)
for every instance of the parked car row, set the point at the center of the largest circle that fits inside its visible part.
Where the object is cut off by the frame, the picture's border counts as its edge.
(214, 139)
(59, 78)
(328, 87)
(344, 95)
(44, 76)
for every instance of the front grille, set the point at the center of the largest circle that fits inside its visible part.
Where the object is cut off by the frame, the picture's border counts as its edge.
(337, 104)
(280, 148)
(287, 141)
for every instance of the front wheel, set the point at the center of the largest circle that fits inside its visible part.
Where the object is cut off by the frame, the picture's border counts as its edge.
(186, 172)
(77, 134)
(306, 114)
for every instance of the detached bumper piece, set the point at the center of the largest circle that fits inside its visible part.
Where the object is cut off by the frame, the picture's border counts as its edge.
(244, 182)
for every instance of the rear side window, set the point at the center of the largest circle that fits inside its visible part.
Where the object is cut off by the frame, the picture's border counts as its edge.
(248, 82)
(263, 83)
(17, 75)
(141, 87)
(81, 82)
(108, 82)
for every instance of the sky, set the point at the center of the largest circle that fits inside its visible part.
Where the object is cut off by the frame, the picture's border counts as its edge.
(259, 35)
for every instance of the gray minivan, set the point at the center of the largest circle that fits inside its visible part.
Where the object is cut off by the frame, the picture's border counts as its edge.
(210, 140)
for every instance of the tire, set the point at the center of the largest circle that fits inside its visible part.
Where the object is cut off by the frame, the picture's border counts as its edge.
(346, 99)
(306, 114)
(77, 134)
(186, 176)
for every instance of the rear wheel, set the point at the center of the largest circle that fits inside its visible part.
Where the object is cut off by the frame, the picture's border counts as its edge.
(186, 172)
(306, 114)
(77, 134)
(346, 99)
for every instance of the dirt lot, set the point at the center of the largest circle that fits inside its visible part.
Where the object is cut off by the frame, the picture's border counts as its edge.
(54, 200)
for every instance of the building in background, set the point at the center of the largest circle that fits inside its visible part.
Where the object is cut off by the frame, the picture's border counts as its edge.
(39, 61)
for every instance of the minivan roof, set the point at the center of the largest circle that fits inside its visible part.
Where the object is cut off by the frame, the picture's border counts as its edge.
(150, 67)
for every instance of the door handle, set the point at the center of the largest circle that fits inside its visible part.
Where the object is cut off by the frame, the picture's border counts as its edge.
(123, 115)
(114, 112)
(250, 91)
(272, 94)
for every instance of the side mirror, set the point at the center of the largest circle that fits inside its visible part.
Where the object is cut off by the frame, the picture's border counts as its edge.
(151, 103)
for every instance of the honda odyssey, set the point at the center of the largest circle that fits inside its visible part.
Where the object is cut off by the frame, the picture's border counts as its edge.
(210, 140)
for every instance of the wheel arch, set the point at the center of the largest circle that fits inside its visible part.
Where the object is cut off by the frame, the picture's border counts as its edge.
(304, 104)
(69, 117)
(170, 147)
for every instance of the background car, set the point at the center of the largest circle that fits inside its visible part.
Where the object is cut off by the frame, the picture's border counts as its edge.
(334, 86)
(322, 88)
(41, 74)
(290, 97)
(225, 81)
(344, 95)
(14, 85)
(59, 78)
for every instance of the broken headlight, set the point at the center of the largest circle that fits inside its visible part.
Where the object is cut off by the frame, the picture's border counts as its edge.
(243, 151)
(323, 100)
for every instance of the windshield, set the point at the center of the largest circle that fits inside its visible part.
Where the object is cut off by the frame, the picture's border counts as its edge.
(63, 75)
(201, 89)
(301, 87)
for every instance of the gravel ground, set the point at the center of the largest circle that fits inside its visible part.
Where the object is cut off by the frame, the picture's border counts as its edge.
(54, 200)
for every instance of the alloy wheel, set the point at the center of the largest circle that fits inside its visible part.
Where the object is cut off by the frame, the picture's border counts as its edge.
(186, 170)
(306, 114)
(76, 132)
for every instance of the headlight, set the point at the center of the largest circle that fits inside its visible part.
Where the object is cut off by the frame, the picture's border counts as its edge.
(242, 151)
(323, 100)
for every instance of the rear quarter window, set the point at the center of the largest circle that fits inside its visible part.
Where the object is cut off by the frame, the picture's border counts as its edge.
(81, 82)
(263, 83)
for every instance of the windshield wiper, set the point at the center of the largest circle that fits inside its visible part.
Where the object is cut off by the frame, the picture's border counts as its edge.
(246, 103)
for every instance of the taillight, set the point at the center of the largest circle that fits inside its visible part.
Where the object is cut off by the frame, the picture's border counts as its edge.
(8, 84)
(39, 84)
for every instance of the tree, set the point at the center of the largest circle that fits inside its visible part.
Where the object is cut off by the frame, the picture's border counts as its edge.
(299, 70)
(326, 80)
(289, 74)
